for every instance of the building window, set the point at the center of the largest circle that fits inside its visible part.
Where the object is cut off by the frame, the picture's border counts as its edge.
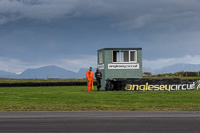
(125, 56)
(133, 56)
(100, 57)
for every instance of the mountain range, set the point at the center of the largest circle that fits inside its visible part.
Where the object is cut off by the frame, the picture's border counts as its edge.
(175, 68)
(180, 67)
(46, 72)
(57, 72)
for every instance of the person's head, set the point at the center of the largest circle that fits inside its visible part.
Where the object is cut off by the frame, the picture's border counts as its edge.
(90, 69)
(97, 69)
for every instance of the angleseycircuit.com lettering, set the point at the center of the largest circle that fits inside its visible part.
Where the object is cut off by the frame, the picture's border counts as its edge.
(173, 87)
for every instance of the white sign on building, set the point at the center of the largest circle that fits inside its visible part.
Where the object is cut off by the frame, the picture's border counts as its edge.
(101, 66)
(123, 66)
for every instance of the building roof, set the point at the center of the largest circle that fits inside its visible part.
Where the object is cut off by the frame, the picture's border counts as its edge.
(120, 49)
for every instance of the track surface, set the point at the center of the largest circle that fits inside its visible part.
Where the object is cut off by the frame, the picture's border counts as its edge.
(104, 121)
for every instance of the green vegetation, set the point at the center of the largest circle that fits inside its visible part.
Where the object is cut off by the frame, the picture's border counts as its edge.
(40, 80)
(79, 80)
(166, 76)
(77, 98)
(179, 75)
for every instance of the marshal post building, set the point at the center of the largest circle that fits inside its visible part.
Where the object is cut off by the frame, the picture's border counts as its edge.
(119, 63)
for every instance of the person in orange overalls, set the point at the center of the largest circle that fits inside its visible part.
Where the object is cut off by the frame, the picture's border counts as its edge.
(89, 76)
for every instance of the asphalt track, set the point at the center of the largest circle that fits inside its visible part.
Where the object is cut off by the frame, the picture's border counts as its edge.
(102, 121)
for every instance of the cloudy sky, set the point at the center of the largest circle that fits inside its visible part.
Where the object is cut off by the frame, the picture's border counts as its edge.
(68, 33)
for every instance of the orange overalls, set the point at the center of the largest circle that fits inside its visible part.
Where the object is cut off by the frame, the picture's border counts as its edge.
(89, 76)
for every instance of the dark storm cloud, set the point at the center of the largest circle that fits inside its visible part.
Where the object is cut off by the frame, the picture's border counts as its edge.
(35, 9)
(167, 30)
(126, 14)
(156, 15)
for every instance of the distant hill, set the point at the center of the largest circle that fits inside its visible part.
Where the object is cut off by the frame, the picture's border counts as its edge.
(178, 68)
(57, 72)
(48, 72)
(4, 74)
(53, 72)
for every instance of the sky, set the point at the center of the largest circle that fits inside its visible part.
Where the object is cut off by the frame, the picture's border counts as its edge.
(68, 33)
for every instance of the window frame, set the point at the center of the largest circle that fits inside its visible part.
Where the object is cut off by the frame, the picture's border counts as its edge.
(135, 61)
(129, 52)
(100, 54)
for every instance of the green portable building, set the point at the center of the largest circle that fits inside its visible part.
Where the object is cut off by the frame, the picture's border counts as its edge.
(119, 63)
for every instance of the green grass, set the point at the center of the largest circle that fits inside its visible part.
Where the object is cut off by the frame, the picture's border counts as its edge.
(77, 98)
(164, 77)
(40, 80)
(72, 80)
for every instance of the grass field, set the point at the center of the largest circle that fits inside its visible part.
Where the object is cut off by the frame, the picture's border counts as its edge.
(171, 77)
(40, 80)
(70, 98)
(72, 80)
